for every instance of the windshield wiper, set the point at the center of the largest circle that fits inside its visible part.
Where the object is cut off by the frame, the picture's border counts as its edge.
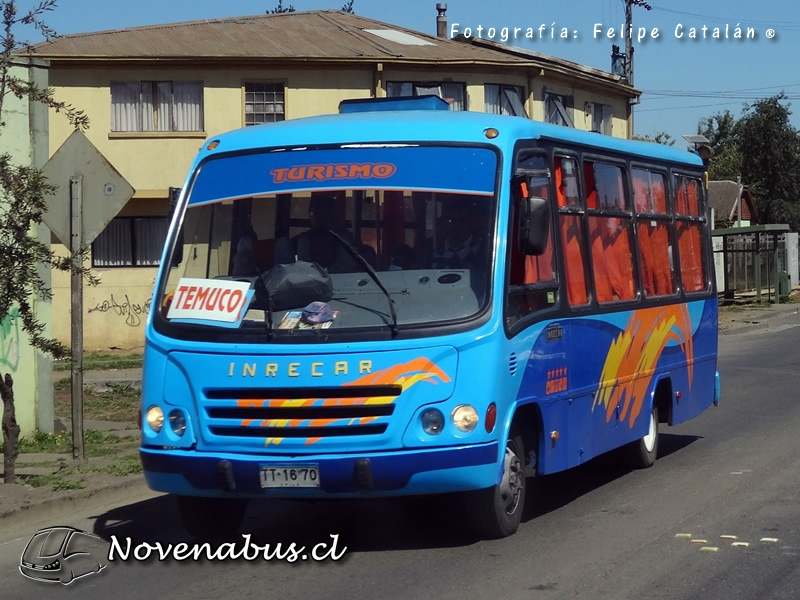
(371, 272)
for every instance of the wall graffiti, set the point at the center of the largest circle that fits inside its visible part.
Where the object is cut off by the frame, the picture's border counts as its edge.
(132, 312)
(9, 340)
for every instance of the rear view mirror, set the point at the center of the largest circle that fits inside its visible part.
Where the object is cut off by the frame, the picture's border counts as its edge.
(533, 217)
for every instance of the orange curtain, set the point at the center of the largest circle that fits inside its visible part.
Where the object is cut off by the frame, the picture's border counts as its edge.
(571, 245)
(611, 259)
(691, 248)
(654, 258)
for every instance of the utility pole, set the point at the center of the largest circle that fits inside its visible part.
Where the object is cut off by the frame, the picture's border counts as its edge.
(629, 37)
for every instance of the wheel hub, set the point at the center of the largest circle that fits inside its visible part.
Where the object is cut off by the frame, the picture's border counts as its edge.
(512, 481)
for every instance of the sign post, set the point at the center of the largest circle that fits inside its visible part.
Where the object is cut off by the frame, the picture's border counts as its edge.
(76, 312)
(90, 193)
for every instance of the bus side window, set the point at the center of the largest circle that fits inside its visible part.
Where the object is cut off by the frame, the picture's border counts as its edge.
(532, 279)
(527, 269)
(609, 234)
(689, 226)
(569, 218)
(655, 251)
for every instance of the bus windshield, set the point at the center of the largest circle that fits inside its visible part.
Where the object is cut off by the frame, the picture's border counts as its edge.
(338, 239)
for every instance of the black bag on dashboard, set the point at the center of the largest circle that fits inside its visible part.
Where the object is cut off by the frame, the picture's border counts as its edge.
(297, 284)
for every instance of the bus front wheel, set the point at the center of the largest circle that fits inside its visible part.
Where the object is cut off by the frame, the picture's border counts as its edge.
(497, 511)
(643, 452)
(211, 518)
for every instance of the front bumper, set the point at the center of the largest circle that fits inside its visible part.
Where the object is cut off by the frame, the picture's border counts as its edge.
(410, 472)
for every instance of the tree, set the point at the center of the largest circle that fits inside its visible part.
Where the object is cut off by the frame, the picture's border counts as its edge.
(348, 8)
(23, 190)
(662, 137)
(764, 148)
(280, 9)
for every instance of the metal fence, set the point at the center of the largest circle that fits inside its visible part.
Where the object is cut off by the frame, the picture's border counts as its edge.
(752, 262)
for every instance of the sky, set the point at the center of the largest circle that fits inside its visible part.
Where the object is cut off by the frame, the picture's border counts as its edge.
(683, 79)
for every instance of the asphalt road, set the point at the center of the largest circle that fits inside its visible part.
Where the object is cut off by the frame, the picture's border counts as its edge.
(600, 531)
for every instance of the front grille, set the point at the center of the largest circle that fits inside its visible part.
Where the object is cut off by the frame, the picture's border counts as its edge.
(310, 413)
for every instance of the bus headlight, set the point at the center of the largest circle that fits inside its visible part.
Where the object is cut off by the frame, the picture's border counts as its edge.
(432, 421)
(465, 417)
(155, 418)
(177, 421)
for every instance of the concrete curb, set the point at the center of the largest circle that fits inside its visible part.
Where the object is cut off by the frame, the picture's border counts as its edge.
(40, 508)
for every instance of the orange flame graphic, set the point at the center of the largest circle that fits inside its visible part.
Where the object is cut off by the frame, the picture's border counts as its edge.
(633, 355)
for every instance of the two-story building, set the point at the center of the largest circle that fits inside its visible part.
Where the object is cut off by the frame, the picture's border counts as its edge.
(155, 93)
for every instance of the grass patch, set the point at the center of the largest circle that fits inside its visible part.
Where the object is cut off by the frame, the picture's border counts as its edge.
(120, 402)
(103, 361)
(96, 443)
(45, 442)
(57, 482)
(130, 464)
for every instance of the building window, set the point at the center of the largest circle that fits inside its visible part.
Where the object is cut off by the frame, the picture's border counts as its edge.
(454, 93)
(263, 103)
(504, 100)
(157, 106)
(601, 117)
(558, 109)
(130, 242)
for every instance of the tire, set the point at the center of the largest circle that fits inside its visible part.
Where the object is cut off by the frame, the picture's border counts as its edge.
(497, 511)
(211, 518)
(643, 452)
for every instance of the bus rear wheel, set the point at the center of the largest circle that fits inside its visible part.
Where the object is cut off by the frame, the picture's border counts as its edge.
(643, 452)
(497, 511)
(211, 518)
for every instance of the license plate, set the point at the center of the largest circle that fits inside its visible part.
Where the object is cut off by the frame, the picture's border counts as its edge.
(295, 476)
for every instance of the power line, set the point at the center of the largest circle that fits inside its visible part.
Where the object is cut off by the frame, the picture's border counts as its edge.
(641, 110)
(755, 89)
(721, 19)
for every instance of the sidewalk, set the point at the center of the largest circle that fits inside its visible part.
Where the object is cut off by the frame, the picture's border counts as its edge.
(746, 318)
(107, 377)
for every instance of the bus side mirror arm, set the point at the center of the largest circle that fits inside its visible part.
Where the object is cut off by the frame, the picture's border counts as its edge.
(177, 256)
(534, 218)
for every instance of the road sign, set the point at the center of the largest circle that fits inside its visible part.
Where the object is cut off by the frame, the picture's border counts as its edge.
(105, 190)
(90, 193)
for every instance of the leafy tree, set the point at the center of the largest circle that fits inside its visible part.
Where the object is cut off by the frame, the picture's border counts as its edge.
(280, 9)
(764, 148)
(23, 190)
(770, 149)
(348, 8)
(662, 137)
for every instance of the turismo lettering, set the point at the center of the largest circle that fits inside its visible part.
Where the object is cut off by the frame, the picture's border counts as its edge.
(333, 171)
